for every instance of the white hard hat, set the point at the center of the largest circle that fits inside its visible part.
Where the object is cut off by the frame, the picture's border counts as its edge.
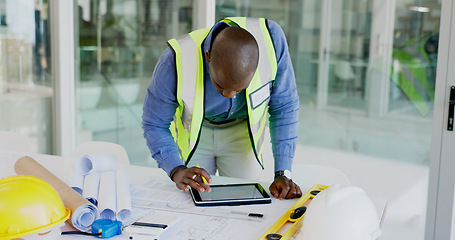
(341, 213)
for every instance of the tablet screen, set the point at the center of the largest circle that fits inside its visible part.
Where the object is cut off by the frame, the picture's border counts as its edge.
(231, 194)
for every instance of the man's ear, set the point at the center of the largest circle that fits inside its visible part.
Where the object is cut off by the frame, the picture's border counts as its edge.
(207, 56)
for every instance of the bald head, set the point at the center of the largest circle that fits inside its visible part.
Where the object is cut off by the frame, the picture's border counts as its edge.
(233, 60)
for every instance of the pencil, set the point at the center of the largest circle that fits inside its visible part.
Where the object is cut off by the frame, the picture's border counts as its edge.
(203, 178)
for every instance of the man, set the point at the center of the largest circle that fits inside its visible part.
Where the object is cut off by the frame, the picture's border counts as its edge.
(207, 102)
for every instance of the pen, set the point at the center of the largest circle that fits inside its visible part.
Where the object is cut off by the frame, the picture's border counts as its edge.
(249, 214)
(203, 178)
(256, 215)
(144, 224)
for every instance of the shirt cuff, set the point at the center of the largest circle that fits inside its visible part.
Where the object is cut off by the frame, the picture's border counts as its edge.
(168, 159)
(283, 163)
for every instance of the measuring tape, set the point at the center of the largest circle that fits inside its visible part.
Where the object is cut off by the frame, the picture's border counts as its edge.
(291, 221)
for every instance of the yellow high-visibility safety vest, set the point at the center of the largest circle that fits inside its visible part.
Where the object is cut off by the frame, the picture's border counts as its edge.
(189, 59)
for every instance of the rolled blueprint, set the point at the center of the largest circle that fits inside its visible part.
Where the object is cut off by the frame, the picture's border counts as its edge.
(76, 181)
(83, 213)
(123, 196)
(107, 196)
(91, 187)
(99, 163)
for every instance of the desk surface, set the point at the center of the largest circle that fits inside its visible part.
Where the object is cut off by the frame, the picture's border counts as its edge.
(190, 226)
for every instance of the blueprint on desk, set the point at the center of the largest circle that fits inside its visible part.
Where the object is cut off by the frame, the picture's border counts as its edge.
(159, 200)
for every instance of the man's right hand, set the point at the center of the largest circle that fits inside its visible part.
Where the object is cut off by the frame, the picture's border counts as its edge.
(185, 177)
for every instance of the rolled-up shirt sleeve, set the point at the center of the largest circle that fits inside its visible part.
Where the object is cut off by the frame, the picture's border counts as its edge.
(158, 111)
(284, 103)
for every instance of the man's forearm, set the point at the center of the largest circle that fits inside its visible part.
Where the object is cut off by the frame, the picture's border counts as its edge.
(163, 149)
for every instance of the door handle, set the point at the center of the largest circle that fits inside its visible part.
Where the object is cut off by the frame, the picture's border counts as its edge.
(451, 108)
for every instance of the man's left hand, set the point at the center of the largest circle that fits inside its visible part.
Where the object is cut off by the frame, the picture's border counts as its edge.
(283, 187)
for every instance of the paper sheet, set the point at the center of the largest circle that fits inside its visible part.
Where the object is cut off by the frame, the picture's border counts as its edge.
(91, 187)
(164, 196)
(196, 223)
(123, 196)
(102, 162)
(76, 181)
(107, 197)
(160, 191)
(148, 233)
(83, 213)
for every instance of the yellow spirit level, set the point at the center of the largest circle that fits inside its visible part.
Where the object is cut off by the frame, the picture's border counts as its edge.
(291, 221)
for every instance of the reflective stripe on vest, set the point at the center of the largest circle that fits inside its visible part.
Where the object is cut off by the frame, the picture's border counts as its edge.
(190, 78)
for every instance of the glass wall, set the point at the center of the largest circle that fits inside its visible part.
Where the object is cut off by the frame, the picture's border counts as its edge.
(365, 72)
(119, 44)
(25, 71)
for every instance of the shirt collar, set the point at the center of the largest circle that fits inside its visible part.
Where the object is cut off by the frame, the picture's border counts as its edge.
(208, 39)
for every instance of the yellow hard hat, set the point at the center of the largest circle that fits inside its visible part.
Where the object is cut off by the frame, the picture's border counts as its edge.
(29, 205)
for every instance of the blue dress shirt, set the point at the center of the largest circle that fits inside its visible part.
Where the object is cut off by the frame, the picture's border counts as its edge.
(160, 104)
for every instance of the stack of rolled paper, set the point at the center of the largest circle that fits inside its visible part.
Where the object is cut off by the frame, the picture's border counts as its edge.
(100, 181)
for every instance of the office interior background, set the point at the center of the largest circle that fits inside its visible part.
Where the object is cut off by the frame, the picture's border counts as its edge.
(75, 71)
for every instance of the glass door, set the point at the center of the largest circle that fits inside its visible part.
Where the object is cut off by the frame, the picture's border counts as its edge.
(376, 84)
(377, 65)
(440, 213)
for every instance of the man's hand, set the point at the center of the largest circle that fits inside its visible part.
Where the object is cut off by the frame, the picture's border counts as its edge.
(283, 187)
(185, 177)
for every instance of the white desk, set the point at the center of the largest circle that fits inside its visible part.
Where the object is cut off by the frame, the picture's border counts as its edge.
(222, 228)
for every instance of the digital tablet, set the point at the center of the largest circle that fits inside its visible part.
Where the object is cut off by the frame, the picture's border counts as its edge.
(231, 194)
